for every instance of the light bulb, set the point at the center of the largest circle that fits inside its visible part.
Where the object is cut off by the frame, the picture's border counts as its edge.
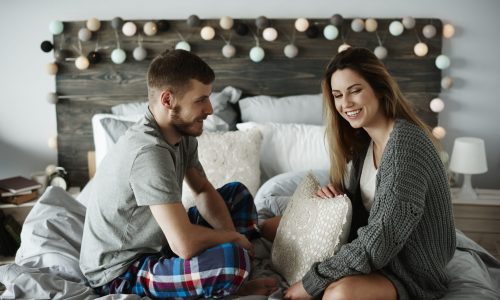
(421, 49)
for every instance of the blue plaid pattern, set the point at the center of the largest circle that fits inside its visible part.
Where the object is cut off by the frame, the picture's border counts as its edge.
(218, 271)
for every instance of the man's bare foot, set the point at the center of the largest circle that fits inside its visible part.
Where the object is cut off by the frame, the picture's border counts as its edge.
(261, 286)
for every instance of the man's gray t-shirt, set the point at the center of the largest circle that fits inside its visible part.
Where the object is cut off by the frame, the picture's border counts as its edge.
(142, 169)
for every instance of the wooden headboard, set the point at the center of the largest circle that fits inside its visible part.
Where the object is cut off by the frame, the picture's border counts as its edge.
(83, 93)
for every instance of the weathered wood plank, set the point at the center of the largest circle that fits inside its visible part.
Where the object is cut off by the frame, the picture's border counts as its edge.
(84, 93)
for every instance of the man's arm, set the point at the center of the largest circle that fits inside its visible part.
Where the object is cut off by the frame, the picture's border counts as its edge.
(208, 201)
(186, 239)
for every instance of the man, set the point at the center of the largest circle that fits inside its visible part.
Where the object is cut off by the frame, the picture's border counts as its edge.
(138, 237)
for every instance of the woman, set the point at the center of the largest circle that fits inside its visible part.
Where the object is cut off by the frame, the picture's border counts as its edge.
(402, 233)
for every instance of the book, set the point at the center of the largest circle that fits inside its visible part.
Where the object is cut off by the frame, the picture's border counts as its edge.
(20, 199)
(19, 184)
(4, 193)
(13, 228)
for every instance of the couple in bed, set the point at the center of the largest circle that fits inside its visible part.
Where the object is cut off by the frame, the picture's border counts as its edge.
(139, 239)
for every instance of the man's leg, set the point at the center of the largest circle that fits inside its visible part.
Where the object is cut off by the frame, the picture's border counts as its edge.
(240, 204)
(217, 272)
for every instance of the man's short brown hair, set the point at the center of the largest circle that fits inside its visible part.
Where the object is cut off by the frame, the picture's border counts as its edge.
(174, 69)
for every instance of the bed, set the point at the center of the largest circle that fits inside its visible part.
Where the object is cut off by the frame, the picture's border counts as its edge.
(274, 105)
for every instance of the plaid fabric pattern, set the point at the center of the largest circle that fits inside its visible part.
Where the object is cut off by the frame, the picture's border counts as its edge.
(218, 271)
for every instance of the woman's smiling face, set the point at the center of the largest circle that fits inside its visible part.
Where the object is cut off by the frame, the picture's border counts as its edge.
(355, 100)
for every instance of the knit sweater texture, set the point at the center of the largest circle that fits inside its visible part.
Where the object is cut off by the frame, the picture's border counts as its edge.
(409, 234)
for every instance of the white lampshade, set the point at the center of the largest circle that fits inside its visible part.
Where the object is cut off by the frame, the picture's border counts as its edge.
(468, 156)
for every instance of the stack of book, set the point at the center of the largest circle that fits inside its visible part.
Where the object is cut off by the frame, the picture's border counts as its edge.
(10, 235)
(18, 190)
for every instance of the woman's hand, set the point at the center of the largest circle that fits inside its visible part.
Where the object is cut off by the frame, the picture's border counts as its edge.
(328, 191)
(296, 291)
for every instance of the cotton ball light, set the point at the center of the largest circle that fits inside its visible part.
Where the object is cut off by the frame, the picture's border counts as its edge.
(241, 29)
(118, 56)
(261, 22)
(193, 21)
(396, 28)
(150, 28)
(84, 34)
(183, 45)
(207, 33)
(94, 57)
(357, 25)
(448, 31)
(421, 49)
(343, 47)
(52, 142)
(226, 23)
(442, 62)
(380, 52)
(429, 31)
(52, 68)
(257, 54)
(117, 23)
(139, 53)
(312, 32)
(337, 20)
(46, 46)
(409, 22)
(163, 25)
(436, 105)
(82, 62)
(270, 34)
(301, 24)
(52, 98)
(446, 82)
(291, 51)
(228, 50)
(93, 24)
(444, 156)
(56, 27)
(50, 169)
(439, 132)
(371, 25)
(129, 28)
(330, 32)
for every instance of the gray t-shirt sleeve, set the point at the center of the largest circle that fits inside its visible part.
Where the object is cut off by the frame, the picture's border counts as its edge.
(153, 178)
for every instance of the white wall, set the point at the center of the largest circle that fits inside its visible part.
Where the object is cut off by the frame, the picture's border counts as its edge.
(27, 120)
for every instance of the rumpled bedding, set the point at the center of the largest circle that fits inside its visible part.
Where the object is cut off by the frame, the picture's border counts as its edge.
(47, 266)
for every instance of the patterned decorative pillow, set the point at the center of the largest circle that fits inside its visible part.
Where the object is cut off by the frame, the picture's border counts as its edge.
(311, 230)
(228, 156)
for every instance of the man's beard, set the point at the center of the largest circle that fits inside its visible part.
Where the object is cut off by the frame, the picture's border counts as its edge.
(187, 128)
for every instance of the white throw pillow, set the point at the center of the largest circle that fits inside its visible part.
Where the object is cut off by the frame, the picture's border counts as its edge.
(311, 230)
(226, 157)
(106, 133)
(290, 147)
(306, 109)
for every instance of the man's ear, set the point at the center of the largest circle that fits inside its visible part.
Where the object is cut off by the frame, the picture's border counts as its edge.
(167, 98)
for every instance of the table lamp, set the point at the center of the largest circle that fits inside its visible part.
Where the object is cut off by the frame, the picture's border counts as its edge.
(468, 157)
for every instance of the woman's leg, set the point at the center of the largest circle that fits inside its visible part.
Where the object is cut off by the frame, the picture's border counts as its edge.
(363, 287)
(269, 228)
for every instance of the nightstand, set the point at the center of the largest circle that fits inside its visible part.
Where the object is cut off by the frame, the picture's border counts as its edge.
(479, 219)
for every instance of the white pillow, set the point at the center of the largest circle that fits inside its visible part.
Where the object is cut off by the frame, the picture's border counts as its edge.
(104, 136)
(290, 147)
(311, 230)
(226, 157)
(305, 109)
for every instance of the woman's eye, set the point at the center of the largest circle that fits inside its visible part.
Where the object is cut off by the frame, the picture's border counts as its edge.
(356, 91)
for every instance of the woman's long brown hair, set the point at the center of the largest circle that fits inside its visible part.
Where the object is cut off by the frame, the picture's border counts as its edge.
(346, 143)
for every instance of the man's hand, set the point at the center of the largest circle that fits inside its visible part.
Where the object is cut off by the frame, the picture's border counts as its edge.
(243, 242)
(296, 291)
